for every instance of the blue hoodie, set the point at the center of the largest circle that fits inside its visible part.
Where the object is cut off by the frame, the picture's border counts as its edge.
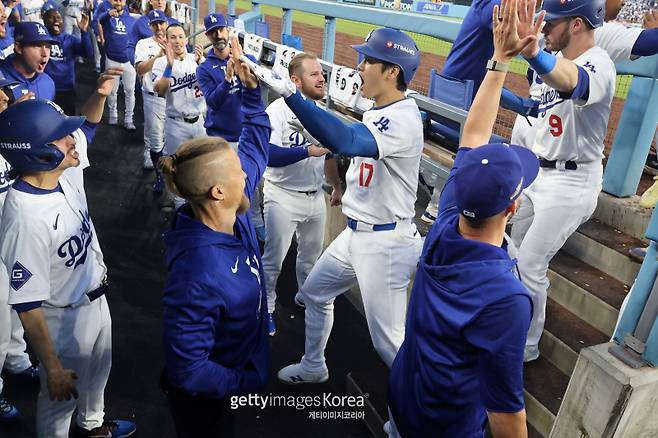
(61, 65)
(215, 306)
(465, 334)
(223, 99)
(116, 31)
(40, 84)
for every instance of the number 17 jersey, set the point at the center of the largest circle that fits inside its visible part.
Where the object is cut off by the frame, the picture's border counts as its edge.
(383, 190)
(574, 130)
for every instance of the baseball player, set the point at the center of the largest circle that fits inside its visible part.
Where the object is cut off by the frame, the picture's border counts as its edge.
(576, 94)
(622, 43)
(116, 25)
(63, 52)
(174, 77)
(28, 62)
(57, 274)
(462, 357)
(380, 247)
(6, 34)
(146, 52)
(293, 197)
(142, 28)
(8, 412)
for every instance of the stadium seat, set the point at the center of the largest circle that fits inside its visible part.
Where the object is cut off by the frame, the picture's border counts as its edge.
(454, 92)
(290, 40)
(262, 29)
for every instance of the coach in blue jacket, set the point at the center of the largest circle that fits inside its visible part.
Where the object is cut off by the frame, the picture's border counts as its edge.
(219, 85)
(215, 308)
(461, 362)
(63, 52)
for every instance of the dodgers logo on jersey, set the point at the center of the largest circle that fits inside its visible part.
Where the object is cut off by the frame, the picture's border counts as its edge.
(56, 52)
(120, 27)
(382, 124)
(549, 99)
(5, 181)
(19, 276)
(186, 81)
(297, 140)
(74, 250)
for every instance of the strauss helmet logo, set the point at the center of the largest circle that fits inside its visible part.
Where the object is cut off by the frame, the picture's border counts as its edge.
(389, 44)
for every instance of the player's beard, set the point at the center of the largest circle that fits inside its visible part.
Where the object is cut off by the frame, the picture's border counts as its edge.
(220, 44)
(558, 44)
(244, 206)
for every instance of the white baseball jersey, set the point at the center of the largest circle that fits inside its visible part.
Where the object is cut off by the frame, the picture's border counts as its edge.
(49, 243)
(306, 175)
(574, 130)
(184, 99)
(145, 50)
(384, 190)
(32, 10)
(613, 37)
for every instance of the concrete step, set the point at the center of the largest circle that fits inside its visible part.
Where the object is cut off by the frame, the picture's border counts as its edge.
(605, 248)
(624, 214)
(545, 386)
(588, 293)
(565, 335)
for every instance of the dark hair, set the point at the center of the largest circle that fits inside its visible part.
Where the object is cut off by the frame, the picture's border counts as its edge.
(476, 223)
(401, 85)
(176, 24)
(167, 10)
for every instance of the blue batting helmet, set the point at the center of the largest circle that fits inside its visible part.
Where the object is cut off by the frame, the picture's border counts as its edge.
(393, 46)
(27, 130)
(591, 10)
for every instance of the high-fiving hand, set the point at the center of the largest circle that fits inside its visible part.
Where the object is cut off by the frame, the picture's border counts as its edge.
(279, 85)
(515, 30)
(240, 66)
(106, 81)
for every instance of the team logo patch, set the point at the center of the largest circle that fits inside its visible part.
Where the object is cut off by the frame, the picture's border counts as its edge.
(19, 276)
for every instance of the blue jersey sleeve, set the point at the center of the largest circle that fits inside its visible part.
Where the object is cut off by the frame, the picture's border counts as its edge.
(254, 143)
(83, 46)
(354, 140)
(499, 334)
(214, 88)
(280, 157)
(646, 44)
(189, 322)
(89, 130)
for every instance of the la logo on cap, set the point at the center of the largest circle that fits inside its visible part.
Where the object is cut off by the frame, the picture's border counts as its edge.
(41, 29)
(213, 19)
(155, 14)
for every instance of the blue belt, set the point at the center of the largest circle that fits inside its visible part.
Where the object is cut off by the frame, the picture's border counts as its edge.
(353, 224)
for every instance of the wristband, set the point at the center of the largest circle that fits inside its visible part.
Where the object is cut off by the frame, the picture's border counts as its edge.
(167, 72)
(543, 63)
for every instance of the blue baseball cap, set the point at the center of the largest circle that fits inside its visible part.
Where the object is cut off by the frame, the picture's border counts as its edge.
(213, 21)
(156, 16)
(490, 178)
(26, 32)
(48, 6)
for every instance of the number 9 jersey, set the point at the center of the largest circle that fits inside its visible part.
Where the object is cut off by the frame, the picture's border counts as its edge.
(383, 190)
(574, 130)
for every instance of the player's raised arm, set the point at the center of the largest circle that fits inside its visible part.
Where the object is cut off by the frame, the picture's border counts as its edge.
(507, 44)
(329, 130)
(93, 107)
(254, 143)
(163, 83)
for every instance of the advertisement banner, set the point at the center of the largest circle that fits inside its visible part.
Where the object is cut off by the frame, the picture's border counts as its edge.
(433, 8)
(405, 5)
(361, 2)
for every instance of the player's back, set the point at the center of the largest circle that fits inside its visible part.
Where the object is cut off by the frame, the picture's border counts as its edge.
(383, 190)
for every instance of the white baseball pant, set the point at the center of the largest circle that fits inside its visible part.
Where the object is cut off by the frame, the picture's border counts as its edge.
(154, 121)
(128, 78)
(256, 207)
(82, 336)
(287, 213)
(178, 132)
(551, 210)
(381, 263)
(97, 50)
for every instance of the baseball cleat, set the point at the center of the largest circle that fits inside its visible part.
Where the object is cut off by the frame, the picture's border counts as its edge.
(113, 120)
(295, 375)
(637, 254)
(428, 217)
(148, 162)
(530, 354)
(299, 300)
(129, 125)
(271, 325)
(109, 429)
(8, 411)
(29, 373)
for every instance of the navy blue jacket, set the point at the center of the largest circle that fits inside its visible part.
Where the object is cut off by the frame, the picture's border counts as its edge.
(40, 84)
(116, 31)
(61, 66)
(466, 327)
(215, 306)
(223, 99)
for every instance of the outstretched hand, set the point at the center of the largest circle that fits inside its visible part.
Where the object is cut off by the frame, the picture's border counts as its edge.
(297, 126)
(106, 81)
(515, 30)
(240, 66)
